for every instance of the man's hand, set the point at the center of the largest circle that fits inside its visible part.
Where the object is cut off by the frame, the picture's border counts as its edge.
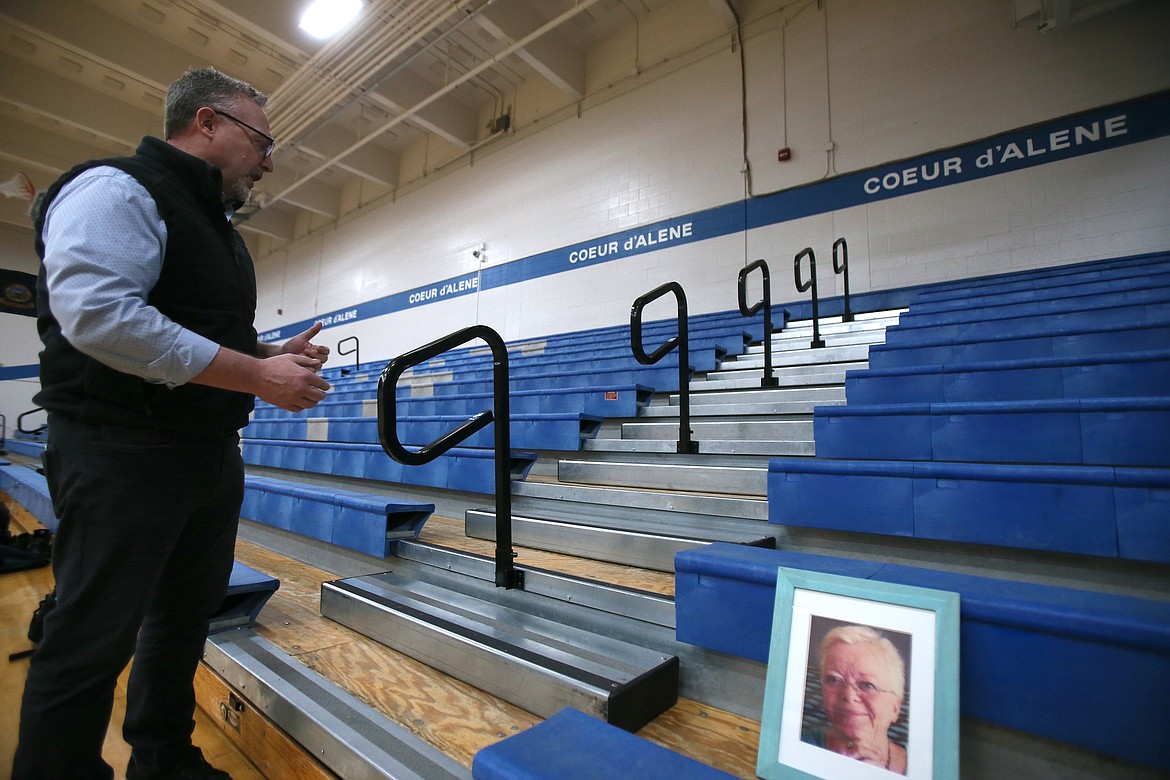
(290, 381)
(279, 378)
(302, 344)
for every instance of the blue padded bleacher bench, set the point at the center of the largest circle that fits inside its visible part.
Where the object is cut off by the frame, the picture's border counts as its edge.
(562, 431)
(248, 591)
(1101, 306)
(367, 523)
(1083, 668)
(574, 746)
(617, 400)
(922, 346)
(33, 448)
(29, 489)
(460, 468)
(1113, 375)
(1105, 431)
(1090, 510)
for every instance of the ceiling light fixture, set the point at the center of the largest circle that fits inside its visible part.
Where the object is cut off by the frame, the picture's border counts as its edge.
(325, 18)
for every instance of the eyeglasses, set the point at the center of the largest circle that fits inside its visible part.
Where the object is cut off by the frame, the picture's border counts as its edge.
(271, 141)
(865, 688)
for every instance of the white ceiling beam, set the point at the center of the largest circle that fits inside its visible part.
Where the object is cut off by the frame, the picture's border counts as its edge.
(274, 222)
(314, 196)
(552, 55)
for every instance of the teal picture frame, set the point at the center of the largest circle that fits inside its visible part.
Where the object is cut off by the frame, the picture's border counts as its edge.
(922, 624)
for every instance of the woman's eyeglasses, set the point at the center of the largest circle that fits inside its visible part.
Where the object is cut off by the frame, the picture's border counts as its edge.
(864, 688)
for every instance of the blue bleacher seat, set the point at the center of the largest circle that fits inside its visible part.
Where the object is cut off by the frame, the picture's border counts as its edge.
(1071, 509)
(556, 431)
(368, 523)
(1101, 431)
(571, 745)
(1113, 375)
(29, 489)
(460, 468)
(248, 591)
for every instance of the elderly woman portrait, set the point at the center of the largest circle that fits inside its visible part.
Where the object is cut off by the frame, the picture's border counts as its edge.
(862, 681)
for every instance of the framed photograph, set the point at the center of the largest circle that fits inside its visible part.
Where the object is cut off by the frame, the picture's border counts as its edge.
(863, 681)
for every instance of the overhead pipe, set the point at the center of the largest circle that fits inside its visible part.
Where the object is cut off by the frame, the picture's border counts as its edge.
(324, 81)
(395, 121)
(405, 63)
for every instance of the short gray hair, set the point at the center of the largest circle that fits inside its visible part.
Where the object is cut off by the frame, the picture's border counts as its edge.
(200, 87)
(865, 635)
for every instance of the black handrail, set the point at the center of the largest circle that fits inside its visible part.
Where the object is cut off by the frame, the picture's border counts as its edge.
(802, 286)
(356, 351)
(685, 444)
(20, 421)
(843, 268)
(766, 304)
(507, 575)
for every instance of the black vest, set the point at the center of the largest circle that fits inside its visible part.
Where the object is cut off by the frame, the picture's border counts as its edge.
(207, 285)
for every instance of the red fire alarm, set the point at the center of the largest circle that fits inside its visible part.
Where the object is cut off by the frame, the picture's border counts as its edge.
(784, 155)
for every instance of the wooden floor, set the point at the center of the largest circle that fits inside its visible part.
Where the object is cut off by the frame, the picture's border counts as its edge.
(454, 717)
(20, 592)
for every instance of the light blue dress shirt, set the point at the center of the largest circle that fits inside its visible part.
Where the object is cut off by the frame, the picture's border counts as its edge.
(104, 248)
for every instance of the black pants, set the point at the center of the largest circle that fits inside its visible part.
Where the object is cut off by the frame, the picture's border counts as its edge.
(142, 557)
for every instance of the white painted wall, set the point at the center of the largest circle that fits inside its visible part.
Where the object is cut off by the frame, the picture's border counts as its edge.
(659, 136)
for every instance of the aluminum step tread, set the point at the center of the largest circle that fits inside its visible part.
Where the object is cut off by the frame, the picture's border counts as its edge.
(712, 479)
(347, 735)
(634, 544)
(535, 663)
(743, 507)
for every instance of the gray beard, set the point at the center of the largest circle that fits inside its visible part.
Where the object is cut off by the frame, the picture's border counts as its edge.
(240, 189)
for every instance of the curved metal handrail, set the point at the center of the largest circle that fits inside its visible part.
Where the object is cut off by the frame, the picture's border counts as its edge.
(843, 268)
(20, 421)
(356, 351)
(766, 304)
(816, 342)
(685, 443)
(507, 575)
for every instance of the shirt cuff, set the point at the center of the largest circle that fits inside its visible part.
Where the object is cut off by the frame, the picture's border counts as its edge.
(190, 355)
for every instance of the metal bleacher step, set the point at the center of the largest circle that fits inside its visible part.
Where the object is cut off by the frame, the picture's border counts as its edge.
(757, 400)
(344, 733)
(746, 377)
(538, 663)
(667, 475)
(729, 428)
(768, 447)
(829, 353)
(545, 498)
(645, 542)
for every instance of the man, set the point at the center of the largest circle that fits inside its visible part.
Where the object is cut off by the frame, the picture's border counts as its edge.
(150, 367)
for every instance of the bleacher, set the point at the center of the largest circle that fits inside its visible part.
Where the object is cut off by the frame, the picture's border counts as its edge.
(1002, 438)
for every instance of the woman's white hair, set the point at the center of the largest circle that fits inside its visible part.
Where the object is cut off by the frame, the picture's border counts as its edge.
(865, 635)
